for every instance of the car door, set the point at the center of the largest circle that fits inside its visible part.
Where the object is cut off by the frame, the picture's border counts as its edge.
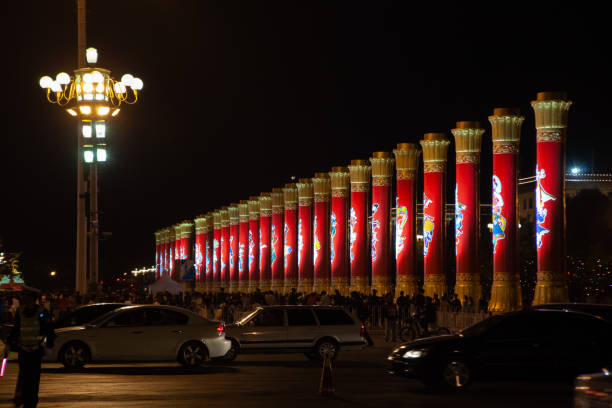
(122, 337)
(166, 330)
(265, 330)
(301, 327)
(512, 347)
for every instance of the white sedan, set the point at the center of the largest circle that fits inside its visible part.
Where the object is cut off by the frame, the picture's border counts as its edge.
(141, 333)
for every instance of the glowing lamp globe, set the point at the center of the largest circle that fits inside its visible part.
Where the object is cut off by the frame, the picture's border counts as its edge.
(127, 79)
(137, 84)
(45, 82)
(91, 54)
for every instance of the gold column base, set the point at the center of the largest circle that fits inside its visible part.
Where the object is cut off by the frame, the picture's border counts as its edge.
(243, 286)
(360, 284)
(468, 284)
(265, 285)
(342, 284)
(434, 284)
(277, 285)
(305, 285)
(551, 288)
(409, 284)
(233, 287)
(505, 293)
(382, 285)
(321, 285)
(290, 284)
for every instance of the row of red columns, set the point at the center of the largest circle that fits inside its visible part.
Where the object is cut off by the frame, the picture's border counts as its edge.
(316, 234)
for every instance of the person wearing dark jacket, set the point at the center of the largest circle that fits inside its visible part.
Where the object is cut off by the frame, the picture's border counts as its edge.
(31, 332)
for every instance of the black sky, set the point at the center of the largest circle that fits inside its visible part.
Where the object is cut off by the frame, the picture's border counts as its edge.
(240, 95)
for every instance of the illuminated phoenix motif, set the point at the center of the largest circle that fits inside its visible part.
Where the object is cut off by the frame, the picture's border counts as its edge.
(541, 198)
(215, 256)
(499, 221)
(223, 265)
(375, 230)
(262, 246)
(198, 258)
(287, 249)
(428, 225)
(300, 242)
(207, 266)
(251, 249)
(316, 244)
(240, 257)
(352, 233)
(231, 252)
(401, 219)
(274, 242)
(333, 225)
(459, 209)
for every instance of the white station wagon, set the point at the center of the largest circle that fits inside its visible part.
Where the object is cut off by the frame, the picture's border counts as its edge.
(141, 333)
(312, 330)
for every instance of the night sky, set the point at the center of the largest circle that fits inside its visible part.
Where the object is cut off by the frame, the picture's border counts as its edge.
(240, 95)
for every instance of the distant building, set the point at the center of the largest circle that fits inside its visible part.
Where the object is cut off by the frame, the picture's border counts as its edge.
(574, 183)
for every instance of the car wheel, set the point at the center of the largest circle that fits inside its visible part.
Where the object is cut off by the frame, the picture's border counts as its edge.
(75, 355)
(232, 352)
(456, 375)
(326, 346)
(193, 354)
(407, 334)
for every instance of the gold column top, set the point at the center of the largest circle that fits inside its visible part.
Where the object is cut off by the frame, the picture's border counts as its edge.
(305, 188)
(551, 110)
(186, 229)
(506, 126)
(243, 209)
(434, 147)
(200, 224)
(339, 178)
(234, 214)
(171, 237)
(407, 157)
(290, 196)
(468, 141)
(277, 198)
(382, 164)
(224, 217)
(210, 224)
(217, 219)
(177, 230)
(254, 207)
(322, 187)
(360, 172)
(265, 205)
(158, 237)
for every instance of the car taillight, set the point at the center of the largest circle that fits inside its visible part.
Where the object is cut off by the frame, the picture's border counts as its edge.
(221, 328)
(362, 332)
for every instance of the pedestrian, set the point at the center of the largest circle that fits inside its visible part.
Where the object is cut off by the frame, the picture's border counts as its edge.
(31, 332)
(390, 316)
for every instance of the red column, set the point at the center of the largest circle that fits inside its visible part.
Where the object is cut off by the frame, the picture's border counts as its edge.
(253, 243)
(277, 263)
(434, 197)
(290, 196)
(243, 247)
(210, 238)
(382, 172)
(158, 254)
(265, 229)
(171, 250)
(216, 249)
(407, 164)
(186, 232)
(340, 273)
(177, 244)
(468, 139)
(165, 250)
(360, 172)
(551, 111)
(200, 251)
(225, 235)
(321, 244)
(506, 133)
(234, 231)
(305, 266)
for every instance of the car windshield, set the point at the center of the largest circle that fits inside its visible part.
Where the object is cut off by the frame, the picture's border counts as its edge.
(482, 326)
(247, 317)
(99, 319)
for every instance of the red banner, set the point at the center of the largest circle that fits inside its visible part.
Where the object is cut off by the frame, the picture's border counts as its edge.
(339, 249)
(233, 255)
(157, 259)
(305, 267)
(210, 238)
(505, 215)
(380, 235)
(265, 273)
(276, 260)
(358, 238)
(243, 255)
(405, 229)
(290, 249)
(321, 257)
(217, 256)
(254, 254)
(225, 256)
(433, 224)
(199, 250)
(171, 253)
(467, 208)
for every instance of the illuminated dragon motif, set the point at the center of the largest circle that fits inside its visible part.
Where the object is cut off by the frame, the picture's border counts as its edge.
(499, 221)
(316, 244)
(459, 209)
(352, 233)
(333, 225)
(541, 198)
(401, 218)
(274, 240)
(375, 229)
(428, 225)
(251, 250)
(287, 249)
(215, 256)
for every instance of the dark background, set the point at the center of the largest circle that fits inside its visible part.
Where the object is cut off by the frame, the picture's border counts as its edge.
(240, 95)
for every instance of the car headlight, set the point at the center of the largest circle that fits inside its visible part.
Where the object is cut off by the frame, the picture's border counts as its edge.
(416, 353)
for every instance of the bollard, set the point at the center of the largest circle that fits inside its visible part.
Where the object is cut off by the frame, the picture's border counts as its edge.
(326, 387)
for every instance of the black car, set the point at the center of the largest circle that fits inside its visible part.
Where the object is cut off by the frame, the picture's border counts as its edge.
(86, 313)
(603, 311)
(525, 344)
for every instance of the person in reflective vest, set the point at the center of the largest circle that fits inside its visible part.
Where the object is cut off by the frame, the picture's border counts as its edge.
(31, 332)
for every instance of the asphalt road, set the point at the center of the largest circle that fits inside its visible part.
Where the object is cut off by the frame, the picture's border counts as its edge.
(270, 381)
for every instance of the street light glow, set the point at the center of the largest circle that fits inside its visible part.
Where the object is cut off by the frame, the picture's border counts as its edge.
(62, 78)
(85, 109)
(91, 54)
(45, 82)
(575, 170)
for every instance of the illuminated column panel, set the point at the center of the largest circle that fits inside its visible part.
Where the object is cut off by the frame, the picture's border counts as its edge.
(382, 173)
(234, 233)
(265, 244)
(407, 165)
(468, 141)
(225, 232)
(305, 266)
(158, 254)
(551, 112)
(209, 254)
(200, 252)
(340, 272)
(171, 250)
(290, 234)
(177, 244)
(434, 147)
(277, 263)
(321, 245)
(253, 243)
(164, 251)
(243, 247)
(506, 133)
(360, 172)
(186, 238)
(216, 251)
